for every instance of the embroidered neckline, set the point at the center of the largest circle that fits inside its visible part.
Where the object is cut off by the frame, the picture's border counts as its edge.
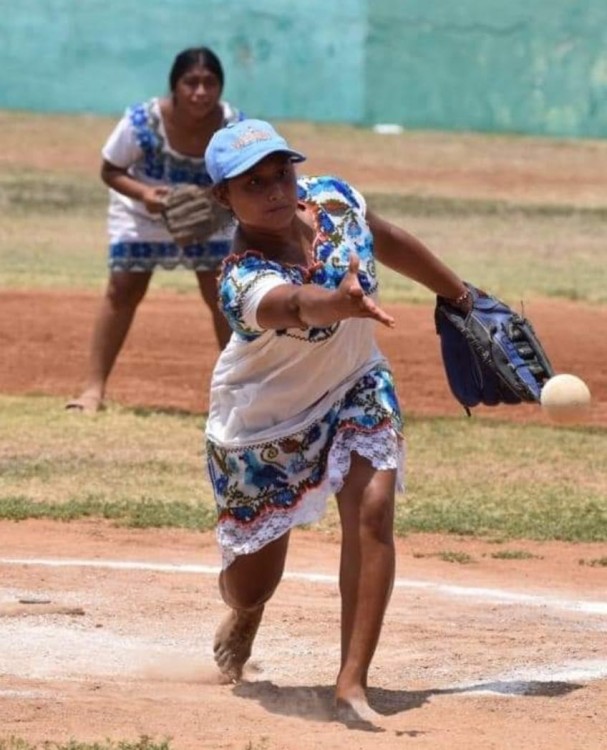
(306, 271)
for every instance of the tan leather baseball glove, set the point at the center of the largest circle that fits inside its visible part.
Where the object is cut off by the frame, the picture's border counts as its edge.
(192, 214)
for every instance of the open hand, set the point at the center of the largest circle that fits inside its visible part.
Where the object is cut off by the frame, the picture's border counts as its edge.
(353, 298)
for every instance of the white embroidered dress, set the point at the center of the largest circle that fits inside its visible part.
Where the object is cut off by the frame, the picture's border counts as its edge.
(288, 407)
(139, 240)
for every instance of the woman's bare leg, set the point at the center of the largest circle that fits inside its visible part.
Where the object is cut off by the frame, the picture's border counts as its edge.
(366, 508)
(124, 292)
(207, 283)
(245, 586)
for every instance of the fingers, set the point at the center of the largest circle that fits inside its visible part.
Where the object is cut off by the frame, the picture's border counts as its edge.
(350, 283)
(377, 313)
(363, 305)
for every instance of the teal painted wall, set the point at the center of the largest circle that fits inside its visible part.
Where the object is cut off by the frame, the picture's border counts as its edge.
(518, 66)
(100, 55)
(538, 67)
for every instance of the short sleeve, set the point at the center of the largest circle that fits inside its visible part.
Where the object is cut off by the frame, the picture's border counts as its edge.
(358, 200)
(122, 149)
(244, 282)
(231, 114)
(353, 196)
(323, 190)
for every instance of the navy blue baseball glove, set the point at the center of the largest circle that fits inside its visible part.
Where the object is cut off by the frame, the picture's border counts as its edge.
(491, 354)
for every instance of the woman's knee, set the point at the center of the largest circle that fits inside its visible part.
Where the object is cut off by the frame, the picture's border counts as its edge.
(127, 289)
(252, 579)
(377, 512)
(366, 501)
(245, 596)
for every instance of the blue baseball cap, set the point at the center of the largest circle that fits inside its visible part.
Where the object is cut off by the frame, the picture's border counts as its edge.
(241, 145)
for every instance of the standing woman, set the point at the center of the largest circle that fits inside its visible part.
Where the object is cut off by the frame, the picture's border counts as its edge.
(303, 404)
(157, 144)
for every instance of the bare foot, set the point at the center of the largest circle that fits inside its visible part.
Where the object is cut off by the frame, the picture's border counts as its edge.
(355, 711)
(89, 402)
(234, 641)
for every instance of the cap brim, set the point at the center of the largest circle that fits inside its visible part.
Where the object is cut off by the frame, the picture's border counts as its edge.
(296, 156)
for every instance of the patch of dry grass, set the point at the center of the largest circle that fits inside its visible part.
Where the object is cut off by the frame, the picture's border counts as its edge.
(520, 204)
(510, 168)
(147, 468)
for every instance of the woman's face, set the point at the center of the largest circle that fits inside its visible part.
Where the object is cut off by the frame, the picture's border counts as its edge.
(264, 197)
(197, 91)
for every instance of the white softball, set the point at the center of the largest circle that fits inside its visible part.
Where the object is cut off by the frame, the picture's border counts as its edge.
(565, 398)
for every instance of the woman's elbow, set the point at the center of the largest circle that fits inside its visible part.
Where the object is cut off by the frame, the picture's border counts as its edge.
(108, 172)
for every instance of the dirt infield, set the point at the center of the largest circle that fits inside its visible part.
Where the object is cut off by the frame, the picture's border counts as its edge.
(499, 654)
(107, 632)
(168, 357)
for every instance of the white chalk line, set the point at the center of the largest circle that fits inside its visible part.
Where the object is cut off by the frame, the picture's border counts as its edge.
(527, 681)
(500, 596)
(511, 684)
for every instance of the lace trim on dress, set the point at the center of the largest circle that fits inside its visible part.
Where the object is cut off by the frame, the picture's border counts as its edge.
(385, 449)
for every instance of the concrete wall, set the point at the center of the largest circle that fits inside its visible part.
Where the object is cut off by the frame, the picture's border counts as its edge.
(530, 66)
(535, 67)
(100, 55)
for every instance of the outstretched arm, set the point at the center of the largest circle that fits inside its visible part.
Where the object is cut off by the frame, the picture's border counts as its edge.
(290, 306)
(403, 253)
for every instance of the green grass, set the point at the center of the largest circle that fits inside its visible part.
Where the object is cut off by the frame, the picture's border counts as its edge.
(515, 481)
(40, 192)
(53, 236)
(515, 256)
(463, 558)
(263, 744)
(144, 743)
(513, 554)
(140, 513)
(145, 468)
(138, 467)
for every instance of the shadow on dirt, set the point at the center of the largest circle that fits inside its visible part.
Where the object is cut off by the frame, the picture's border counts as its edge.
(316, 702)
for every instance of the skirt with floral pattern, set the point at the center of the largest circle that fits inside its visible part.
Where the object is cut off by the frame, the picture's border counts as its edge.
(146, 256)
(262, 491)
